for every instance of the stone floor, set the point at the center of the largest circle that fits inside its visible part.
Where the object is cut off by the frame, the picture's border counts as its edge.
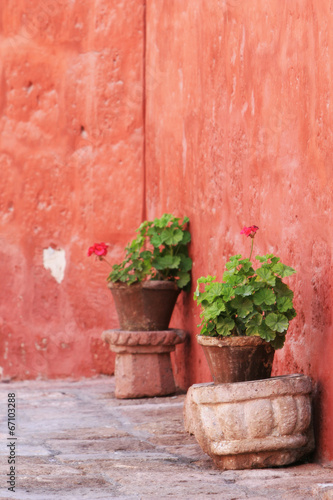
(76, 441)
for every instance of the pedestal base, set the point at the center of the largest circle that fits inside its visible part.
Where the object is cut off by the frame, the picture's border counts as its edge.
(256, 424)
(143, 365)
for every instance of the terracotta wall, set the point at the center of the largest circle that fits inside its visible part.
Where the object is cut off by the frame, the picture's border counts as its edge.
(239, 132)
(71, 162)
(238, 120)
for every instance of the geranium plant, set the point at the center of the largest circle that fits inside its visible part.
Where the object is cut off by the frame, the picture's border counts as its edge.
(98, 249)
(248, 301)
(159, 252)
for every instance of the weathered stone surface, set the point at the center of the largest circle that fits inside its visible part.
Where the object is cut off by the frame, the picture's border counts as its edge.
(76, 440)
(253, 424)
(143, 364)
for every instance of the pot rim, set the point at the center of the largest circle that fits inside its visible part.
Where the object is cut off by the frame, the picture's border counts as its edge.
(233, 392)
(150, 284)
(232, 341)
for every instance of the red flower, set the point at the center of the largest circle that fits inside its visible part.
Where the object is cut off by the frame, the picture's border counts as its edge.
(99, 249)
(249, 231)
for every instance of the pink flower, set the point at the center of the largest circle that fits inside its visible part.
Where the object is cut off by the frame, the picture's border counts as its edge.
(249, 231)
(99, 249)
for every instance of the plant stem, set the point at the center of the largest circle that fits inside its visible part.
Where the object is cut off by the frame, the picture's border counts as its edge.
(251, 248)
(102, 258)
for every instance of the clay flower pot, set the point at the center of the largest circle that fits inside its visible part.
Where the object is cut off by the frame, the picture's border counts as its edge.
(145, 306)
(237, 359)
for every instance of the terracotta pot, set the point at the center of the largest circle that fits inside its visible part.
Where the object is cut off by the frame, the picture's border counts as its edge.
(237, 359)
(144, 306)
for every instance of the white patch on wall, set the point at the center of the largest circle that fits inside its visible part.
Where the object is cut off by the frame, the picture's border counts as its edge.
(55, 262)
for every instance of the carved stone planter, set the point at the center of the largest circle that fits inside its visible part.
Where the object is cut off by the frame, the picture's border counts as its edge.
(254, 424)
(143, 365)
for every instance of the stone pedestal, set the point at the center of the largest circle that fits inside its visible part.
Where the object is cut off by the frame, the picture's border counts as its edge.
(256, 424)
(143, 365)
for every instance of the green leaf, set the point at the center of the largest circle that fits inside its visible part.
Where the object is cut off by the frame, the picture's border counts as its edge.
(167, 262)
(283, 270)
(253, 325)
(243, 306)
(244, 290)
(214, 310)
(264, 296)
(228, 292)
(246, 265)
(277, 322)
(284, 303)
(290, 314)
(266, 275)
(184, 279)
(262, 258)
(186, 238)
(232, 279)
(231, 266)
(203, 330)
(288, 271)
(278, 342)
(146, 255)
(206, 279)
(199, 296)
(213, 291)
(156, 240)
(165, 220)
(267, 257)
(185, 263)
(252, 331)
(282, 289)
(171, 236)
(224, 326)
(257, 285)
(256, 319)
(135, 244)
(233, 262)
(210, 326)
(143, 226)
(278, 268)
(266, 333)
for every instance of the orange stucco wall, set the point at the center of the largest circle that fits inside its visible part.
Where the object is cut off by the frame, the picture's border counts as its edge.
(71, 162)
(114, 111)
(239, 122)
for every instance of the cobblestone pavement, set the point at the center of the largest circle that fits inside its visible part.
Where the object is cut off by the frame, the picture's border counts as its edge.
(76, 441)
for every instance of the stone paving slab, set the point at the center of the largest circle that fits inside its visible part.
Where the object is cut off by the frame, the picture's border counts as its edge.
(75, 441)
